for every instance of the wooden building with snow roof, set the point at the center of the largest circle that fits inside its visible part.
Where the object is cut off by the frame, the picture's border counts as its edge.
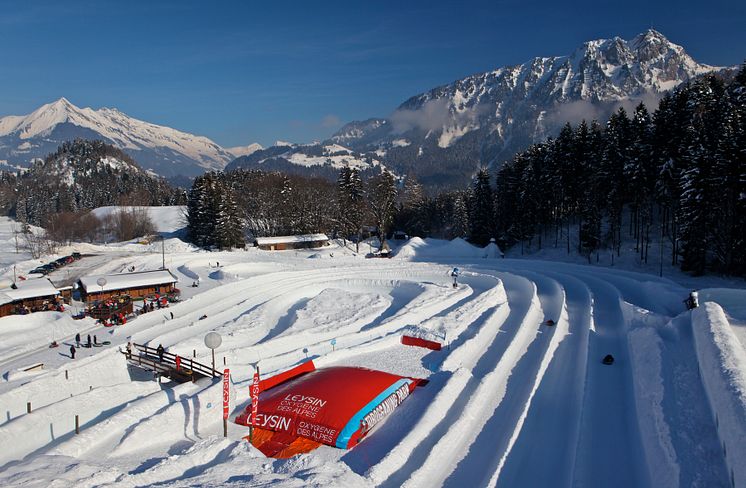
(137, 285)
(282, 243)
(27, 296)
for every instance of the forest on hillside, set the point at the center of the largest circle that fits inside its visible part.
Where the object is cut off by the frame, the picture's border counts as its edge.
(678, 173)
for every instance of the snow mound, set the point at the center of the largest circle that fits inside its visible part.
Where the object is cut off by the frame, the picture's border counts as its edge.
(338, 309)
(437, 248)
(492, 251)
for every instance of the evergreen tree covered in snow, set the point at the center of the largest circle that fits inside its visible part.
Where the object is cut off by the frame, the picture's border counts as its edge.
(482, 212)
(678, 175)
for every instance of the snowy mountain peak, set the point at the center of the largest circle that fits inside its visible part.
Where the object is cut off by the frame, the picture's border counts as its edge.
(239, 151)
(167, 151)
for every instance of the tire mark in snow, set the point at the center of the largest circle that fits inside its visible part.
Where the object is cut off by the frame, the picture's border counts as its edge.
(610, 451)
(486, 389)
(554, 414)
(494, 442)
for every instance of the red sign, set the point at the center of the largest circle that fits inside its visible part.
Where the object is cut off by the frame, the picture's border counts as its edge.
(254, 397)
(226, 392)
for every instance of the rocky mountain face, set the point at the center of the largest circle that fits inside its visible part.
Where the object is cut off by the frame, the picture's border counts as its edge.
(442, 136)
(166, 151)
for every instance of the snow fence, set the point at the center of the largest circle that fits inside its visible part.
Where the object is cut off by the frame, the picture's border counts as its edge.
(722, 362)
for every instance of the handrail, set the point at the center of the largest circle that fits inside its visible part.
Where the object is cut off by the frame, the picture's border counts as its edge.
(170, 359)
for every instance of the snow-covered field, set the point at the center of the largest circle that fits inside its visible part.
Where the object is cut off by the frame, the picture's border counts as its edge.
(511, 401)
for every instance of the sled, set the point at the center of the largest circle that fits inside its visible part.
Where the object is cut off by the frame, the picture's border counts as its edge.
(106, 343)
(550, 322)
(608, 360)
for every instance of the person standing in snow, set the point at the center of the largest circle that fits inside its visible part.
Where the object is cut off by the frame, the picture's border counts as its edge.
(89, 340)
(178, 362)
(77, 339)
(693, 301)
(454, 275)
(161, 351)
(172, 315)
(72, 352)
(129, 350)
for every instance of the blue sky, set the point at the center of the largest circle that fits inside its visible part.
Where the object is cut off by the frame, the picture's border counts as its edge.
(240, 72)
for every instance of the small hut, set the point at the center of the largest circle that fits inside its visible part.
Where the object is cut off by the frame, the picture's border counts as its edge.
(28, 296)
(136, 285)
(282, 243)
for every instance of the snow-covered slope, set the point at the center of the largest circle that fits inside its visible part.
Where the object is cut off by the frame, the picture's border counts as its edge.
(166, 151)
(512, 401)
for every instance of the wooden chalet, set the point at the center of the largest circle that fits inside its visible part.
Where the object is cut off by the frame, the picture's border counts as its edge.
(28, 296)
(136, 285)
(282, 243)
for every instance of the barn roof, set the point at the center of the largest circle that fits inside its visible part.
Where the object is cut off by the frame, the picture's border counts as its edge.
(267, 241)
(124, 281)
(33, 288)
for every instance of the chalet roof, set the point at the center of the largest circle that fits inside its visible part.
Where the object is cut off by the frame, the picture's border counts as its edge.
(33, 288)
(125, 281)
(267, 241)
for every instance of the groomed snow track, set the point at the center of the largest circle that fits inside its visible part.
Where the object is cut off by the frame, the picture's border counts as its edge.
(511, 402)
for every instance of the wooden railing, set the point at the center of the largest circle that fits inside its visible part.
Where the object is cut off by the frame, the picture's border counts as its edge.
(148, 358)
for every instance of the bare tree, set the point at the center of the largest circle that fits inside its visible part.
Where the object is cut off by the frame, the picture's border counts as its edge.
(132, 222)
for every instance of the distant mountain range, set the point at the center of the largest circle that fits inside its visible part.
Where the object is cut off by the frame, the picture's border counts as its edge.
(168, 152)
(442, 136)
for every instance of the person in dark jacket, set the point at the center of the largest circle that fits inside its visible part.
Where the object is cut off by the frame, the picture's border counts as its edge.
(72, 352)
(89, 340)
(160, 350)
(77, 339)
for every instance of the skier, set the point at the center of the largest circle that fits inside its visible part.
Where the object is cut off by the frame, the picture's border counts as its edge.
(454, 275)
(160, 350)
(77, 339)
(692, 301)
(72, 352)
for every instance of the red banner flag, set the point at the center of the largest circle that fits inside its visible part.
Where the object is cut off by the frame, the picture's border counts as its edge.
(255, 397)
(226, 392)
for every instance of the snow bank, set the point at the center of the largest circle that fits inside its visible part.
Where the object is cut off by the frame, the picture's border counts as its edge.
(646, 361)
(492, 251)
(436, 248)
(722, 362)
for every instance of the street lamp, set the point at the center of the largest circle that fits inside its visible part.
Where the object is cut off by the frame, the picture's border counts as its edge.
(101, 282)
(213, 341)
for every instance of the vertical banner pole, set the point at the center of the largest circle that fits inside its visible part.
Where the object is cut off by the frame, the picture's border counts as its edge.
(226, 399)
(254, 403)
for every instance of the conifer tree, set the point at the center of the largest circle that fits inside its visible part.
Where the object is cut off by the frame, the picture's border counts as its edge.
(482, 212)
